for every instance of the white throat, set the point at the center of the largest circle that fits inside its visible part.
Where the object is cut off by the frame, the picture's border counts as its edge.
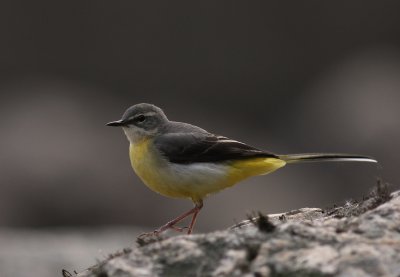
(135, 135)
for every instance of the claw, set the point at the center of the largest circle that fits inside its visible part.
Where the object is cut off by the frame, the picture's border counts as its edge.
(179, 229)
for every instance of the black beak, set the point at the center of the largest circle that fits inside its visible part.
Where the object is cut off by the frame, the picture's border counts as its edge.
(116, 123)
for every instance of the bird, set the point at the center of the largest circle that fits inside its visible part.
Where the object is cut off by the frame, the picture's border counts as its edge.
(181, 160)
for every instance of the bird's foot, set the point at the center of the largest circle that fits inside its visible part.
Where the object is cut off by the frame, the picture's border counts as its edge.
(179, 229)
(167, 227)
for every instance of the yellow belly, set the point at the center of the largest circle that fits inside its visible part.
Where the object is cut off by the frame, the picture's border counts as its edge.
(194, 181)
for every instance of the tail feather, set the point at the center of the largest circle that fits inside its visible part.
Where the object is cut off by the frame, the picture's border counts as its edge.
(325, 157)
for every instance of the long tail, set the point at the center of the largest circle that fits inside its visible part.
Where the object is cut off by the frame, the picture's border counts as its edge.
(325, 157)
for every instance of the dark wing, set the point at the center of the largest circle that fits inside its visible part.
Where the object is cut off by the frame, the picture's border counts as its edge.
(188, 148)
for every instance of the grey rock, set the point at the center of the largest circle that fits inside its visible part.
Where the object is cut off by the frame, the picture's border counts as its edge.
(358, 239)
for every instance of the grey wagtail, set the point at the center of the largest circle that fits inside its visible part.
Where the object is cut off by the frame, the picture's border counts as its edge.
(181, 160)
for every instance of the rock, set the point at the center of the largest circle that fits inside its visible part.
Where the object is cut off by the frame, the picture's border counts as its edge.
(358, 239)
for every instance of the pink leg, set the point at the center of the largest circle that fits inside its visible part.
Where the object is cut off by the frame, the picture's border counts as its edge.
(171, 224)
(194, 220)
(198, 206)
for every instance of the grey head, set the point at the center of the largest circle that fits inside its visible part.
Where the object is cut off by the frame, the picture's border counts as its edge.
(141, 121)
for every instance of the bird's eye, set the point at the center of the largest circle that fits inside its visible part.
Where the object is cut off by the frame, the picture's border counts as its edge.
(140, 118)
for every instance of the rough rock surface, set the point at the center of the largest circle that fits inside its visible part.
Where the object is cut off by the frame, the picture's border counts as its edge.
(357, 239)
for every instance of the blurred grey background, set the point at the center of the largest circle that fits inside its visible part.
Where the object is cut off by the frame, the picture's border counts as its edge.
(304, 76)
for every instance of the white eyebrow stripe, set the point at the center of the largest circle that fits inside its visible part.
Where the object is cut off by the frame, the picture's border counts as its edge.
(149, 113)
(145, 114)
(230, 141)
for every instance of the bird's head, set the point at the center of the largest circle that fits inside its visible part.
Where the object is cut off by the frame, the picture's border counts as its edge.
(141, 121)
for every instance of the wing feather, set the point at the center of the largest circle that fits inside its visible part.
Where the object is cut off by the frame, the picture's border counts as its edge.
(186, 148)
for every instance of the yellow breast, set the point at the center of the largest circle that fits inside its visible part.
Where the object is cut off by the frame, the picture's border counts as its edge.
(154, 170)
(145, 163)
